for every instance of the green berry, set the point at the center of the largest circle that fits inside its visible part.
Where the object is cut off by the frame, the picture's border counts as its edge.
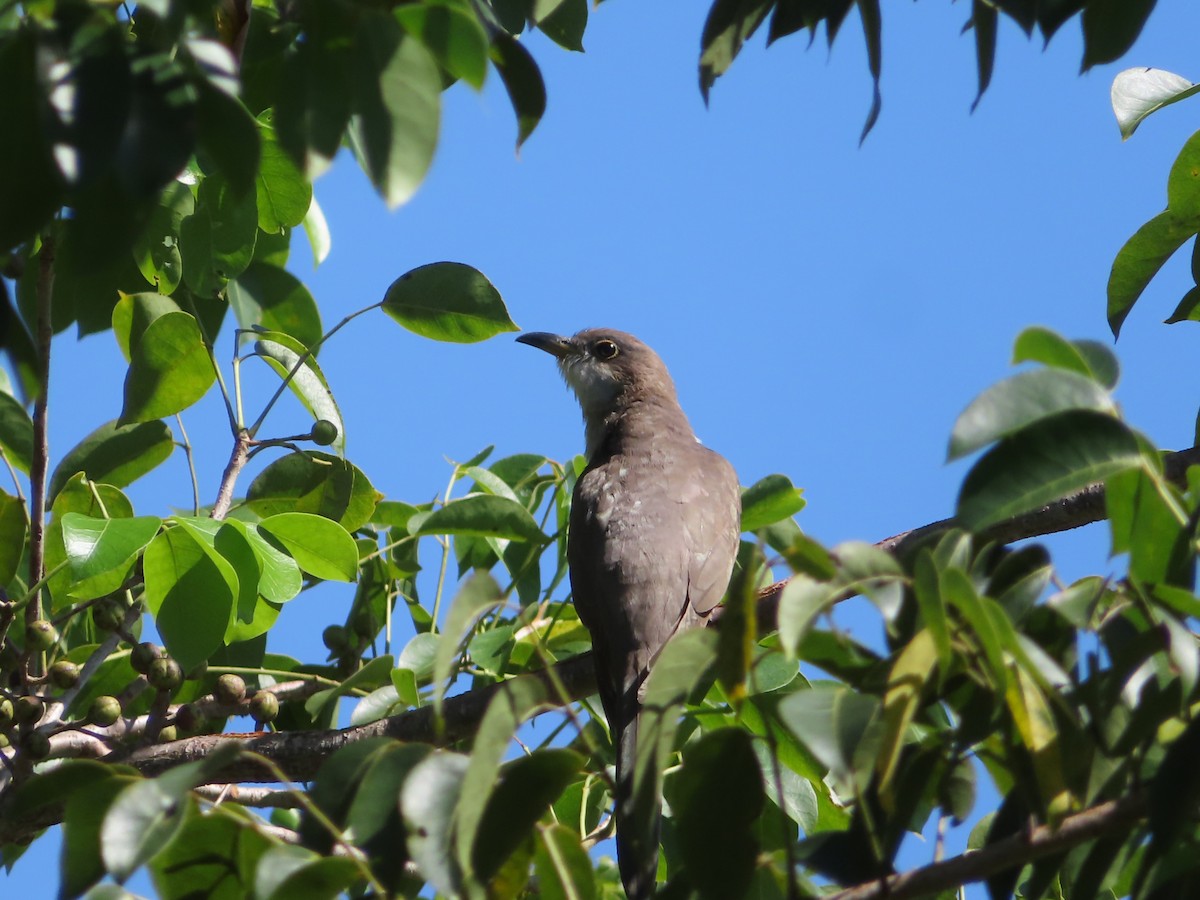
(64, 674)
(29, 710)
(143, 656)
(105, 710)
(335, 639)
(286, 818)
(185, 718)
(323, 432)
(7, 712)
(108, 616)
(264, 706)
(230, 689)
(168, 734)
(40, 635)
(35, 744)
(165, 674)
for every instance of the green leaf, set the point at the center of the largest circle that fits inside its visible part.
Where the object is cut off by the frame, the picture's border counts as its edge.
(1147, 521)
(563, 869)
(170, 369)
(97, 547)
(294, 873)
(397, 107)
(191, 590)
(833, 722)
(1090, 358)
(317, 483)
(1044, 463)
(563, 21)
(1136, 93)
(1020, 401)
(1109, 29)
(251, 616)
(376, 800)
(266, 297)
(522, 80)
(448, 301)
(279, 578)
(321, 547)
(1183, 182)
(115, 454)
(483, 515)
(199, 861)
(82, 864)
(716, 798)
(770, 500)
(452, 34)
(317, 230)
(478, 594)
(156, 250)
(909, 675)
(13, 531)
(729, 25)
(217, 240)
(283, 193)
(284, 353)
(133, 314)
(16, 433)
(1140, 259)
(525, 790)
(228, 135)
(508, 708)
(427, 804)
(375, 673)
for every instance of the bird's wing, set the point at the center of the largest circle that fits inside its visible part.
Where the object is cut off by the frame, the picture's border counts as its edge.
(712, 514)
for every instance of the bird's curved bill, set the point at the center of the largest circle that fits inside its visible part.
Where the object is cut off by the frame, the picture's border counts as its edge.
(554, 344)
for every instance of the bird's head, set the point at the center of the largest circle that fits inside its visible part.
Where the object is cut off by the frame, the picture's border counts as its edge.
(607, 369)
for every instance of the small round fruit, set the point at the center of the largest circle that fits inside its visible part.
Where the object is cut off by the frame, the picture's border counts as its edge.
(104, 711)
(335, 638)
(40, 635)
(230, 689)
(165, 674)
(64, 674)
(7, 712)
(168, 734)
(264, 706)
(108, 616)
(35, 744)
(286, 818)
(186, 718)
(323, 432)
(143, 656)
(29, 709)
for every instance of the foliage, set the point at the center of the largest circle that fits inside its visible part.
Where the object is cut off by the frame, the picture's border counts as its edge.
(164, 157)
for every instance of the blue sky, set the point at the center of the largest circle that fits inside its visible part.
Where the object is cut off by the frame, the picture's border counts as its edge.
(826, 310)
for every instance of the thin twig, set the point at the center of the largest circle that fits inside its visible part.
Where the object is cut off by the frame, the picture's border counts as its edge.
(191, 464)
(40, 464)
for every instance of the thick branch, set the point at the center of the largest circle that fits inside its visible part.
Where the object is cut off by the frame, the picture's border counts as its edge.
(1017, 850)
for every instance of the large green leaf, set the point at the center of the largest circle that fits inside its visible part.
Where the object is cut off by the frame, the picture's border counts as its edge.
(217, 240)
(16, 432)
(427, 804)
(270, 298)
(169, 370)
(523, 81)
(199, 862)
(13, 531)
(321, 547)
(484, 515)
(452, 34)
(397, 107)
(563, 21)
(283, 193)
(1044, 463)
(769, 500)
(448, 301)
(835, 724)
(133, 314)
(1021, 400)
(1089, 358)
(563, 869)
(716, 799)
(1110, 28)
(115, 454)
(1139, 261)
(156, 250)
(316, 483)
(294, 873)
(191, 590)
(101, 550)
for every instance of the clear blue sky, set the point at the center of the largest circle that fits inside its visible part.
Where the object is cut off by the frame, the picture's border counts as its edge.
(826, 310)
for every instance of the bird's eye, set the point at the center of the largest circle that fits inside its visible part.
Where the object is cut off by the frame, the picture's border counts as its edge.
(604, 350)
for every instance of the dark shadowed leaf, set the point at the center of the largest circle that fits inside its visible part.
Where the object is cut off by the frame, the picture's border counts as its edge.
(427, 804)
(13, 530)
(522, 80)
(116, 455)
(1110, 27)
(563, 21)
(294, 873)
(1140, 259)
(16, 432)
(730, 24)
(563, 869)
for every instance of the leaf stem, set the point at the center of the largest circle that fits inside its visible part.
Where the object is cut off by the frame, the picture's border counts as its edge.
(191, 464)
(304, 357)
(40, 463)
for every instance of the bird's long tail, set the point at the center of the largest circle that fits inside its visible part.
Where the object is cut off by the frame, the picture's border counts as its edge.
(638, 809)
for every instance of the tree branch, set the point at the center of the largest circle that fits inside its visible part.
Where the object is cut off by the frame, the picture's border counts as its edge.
(40, 463)
(1042, 840)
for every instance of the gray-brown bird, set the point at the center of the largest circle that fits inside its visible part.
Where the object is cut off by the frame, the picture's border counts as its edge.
(653, 534)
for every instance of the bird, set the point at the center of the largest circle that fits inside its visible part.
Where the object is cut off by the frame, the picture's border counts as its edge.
(652, 537)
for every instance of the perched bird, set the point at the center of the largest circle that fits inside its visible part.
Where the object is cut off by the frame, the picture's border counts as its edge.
(652, 538)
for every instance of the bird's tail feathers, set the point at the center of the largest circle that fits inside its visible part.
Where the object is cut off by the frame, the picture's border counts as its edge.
(638, 809)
